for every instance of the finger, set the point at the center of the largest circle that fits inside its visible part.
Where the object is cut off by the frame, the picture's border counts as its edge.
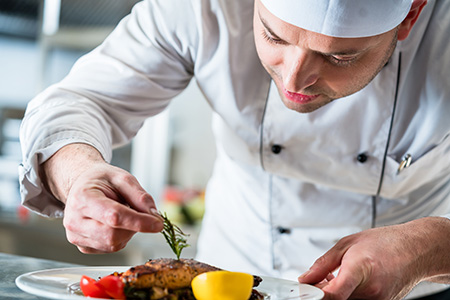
(122, 217)
(322, 284)
(330, 277)
(102, 241)
(130, 189)
(92, 246)
(84, 231)
(113, 214)
(89, 250)
(135, 196)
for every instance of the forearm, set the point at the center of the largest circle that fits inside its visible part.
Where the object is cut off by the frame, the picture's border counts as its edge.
(434, 236)
(60, 171)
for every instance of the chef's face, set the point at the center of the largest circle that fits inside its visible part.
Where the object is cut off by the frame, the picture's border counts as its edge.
(311, 69)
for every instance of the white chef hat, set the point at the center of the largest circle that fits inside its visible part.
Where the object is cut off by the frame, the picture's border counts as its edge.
(341, 18)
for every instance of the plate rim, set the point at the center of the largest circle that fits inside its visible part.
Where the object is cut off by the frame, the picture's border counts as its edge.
(51, 295)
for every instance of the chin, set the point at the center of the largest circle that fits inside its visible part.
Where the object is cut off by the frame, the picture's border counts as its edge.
(305, 108)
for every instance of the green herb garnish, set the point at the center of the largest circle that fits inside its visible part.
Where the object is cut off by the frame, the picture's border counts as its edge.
(174, 236)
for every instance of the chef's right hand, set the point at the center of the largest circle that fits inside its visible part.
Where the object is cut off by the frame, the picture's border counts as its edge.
(104, 205)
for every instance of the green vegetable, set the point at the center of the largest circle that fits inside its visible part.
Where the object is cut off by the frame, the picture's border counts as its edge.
(174, 236)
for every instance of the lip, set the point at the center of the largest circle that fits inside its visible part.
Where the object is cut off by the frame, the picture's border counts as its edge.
(299, 98)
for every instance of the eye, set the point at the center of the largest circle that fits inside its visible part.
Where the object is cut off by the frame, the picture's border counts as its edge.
(269, 38)
(341, 60)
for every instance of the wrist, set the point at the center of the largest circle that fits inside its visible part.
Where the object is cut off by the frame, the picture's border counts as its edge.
(431, 234)
(62, 169)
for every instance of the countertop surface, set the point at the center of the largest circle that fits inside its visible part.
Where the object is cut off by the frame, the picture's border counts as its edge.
(12, 266)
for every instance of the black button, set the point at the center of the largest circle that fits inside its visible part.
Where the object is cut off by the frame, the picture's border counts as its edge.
(362, 158)
(276, 149)
(283, 230)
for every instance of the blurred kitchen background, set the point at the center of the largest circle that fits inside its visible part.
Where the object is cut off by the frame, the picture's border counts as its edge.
(172, 156)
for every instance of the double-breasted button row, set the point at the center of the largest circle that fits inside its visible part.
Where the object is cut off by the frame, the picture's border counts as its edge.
(361, 157)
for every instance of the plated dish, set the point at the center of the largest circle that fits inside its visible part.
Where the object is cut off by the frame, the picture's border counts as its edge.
(63, 284)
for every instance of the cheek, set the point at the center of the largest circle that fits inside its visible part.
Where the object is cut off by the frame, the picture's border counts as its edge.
(269, 56)
(346, 81)
(338, 77)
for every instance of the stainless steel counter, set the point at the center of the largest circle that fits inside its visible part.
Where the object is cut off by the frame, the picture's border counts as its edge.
(12, 266)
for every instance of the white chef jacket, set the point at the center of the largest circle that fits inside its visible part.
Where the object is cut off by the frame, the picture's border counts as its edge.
(267, 212)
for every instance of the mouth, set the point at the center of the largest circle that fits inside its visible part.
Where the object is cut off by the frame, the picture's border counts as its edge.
(299, 98)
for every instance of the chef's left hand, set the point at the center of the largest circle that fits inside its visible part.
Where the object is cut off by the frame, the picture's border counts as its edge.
(384, 263)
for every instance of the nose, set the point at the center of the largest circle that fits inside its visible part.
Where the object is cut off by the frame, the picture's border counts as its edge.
(301, 70)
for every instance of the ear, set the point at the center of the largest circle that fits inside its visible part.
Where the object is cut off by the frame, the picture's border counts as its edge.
(405, 27)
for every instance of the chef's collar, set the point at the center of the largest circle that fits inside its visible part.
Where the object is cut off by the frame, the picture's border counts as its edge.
(341, 18)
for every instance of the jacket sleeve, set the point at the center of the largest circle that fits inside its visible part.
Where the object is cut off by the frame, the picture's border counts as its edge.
(147, 60)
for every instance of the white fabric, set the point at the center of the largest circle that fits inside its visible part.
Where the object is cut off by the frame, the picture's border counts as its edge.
(341, 18)
(315, 186)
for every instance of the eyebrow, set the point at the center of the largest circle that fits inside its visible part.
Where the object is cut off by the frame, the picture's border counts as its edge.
(266, 26)
(343, 52)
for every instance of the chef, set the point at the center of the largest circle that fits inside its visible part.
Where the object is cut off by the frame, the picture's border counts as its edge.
(332, 126)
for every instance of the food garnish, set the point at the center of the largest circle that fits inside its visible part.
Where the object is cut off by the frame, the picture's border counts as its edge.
(109, 287)
(174, 236)
(222, 285)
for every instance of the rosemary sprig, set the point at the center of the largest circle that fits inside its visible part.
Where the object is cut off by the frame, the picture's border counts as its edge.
(174, 236)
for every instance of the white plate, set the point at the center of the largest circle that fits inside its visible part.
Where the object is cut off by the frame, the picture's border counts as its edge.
(55, 283)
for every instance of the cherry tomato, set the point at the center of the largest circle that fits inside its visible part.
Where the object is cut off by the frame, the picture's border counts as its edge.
(113, 286)
(90, 288)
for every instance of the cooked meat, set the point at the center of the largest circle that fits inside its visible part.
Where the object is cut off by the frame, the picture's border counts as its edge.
(166, 278)
(166, 273)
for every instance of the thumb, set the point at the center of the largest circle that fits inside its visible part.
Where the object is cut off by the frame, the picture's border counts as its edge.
(317, 273)
(323, 267)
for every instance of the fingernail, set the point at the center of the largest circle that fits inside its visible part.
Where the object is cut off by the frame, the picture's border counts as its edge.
(305, 274)
(156, 213)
